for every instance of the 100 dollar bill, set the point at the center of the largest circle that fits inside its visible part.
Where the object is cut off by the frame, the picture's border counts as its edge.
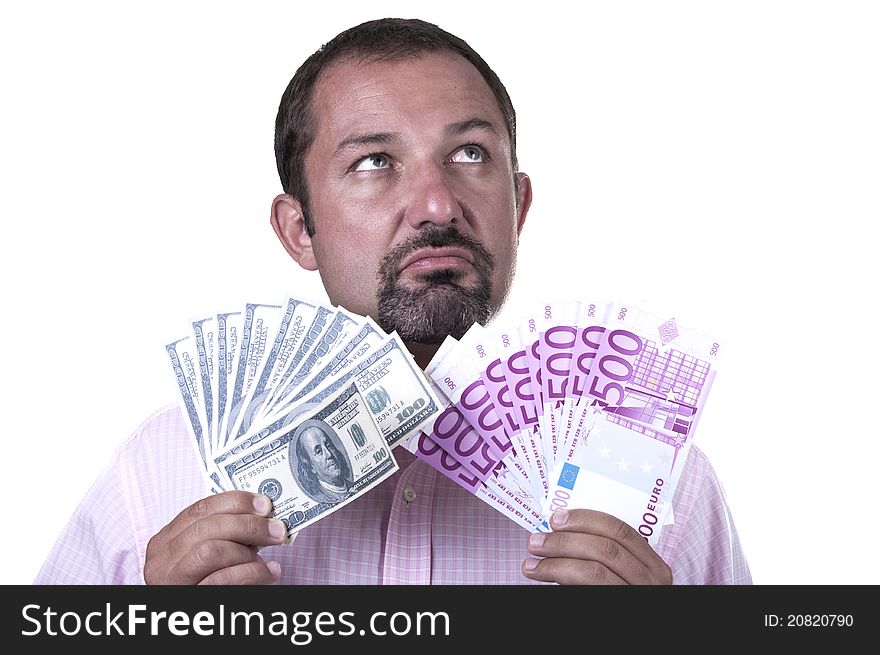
(314, 464)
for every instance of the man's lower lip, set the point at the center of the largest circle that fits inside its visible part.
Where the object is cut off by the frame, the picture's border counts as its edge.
(437, 262)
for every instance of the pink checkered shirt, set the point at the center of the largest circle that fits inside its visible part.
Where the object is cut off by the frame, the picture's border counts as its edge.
(417, 527)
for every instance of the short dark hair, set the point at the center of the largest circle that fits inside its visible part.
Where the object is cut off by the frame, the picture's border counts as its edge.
(385, 39)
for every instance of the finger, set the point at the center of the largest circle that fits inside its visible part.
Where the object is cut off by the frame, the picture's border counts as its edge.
(246, 529)
(568, 571)
(605, 525)
(227, 502)
(254, 572)
(589, 547)
(210, 556)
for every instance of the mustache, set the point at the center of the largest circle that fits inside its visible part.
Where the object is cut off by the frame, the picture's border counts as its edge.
(436, 237)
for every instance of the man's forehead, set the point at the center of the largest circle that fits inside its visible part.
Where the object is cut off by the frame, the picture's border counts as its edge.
(355, 96)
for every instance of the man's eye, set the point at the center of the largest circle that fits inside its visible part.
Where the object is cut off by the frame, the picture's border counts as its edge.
(372, 163)
(468, 155)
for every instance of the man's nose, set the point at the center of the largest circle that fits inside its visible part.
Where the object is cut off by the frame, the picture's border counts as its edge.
(432, 197)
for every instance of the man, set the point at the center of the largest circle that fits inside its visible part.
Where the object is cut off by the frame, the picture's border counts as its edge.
(396, 148)
(320, 467)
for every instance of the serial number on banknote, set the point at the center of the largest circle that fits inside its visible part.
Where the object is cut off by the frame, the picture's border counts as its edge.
(265, 466)
(391, 411)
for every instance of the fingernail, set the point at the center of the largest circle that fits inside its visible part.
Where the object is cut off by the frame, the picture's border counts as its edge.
(262, 504)
(536, 540)
(277, 528)
(530, 564)
(559, 518)
(274, 568)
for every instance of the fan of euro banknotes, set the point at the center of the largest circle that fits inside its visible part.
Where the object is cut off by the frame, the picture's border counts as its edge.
(581, 405)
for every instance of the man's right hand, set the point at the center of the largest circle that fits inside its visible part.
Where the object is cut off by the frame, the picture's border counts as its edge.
(215, 541)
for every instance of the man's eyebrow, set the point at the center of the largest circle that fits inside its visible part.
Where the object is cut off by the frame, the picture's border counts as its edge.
(371, 138)
(454, 129)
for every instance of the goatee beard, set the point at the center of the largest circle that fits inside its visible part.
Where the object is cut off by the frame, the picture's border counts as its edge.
(441, 304)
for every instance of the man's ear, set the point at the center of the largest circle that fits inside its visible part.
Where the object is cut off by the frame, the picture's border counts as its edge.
(290, 228)
(524, 200)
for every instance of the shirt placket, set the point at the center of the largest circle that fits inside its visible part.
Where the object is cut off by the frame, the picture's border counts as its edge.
(408, 542)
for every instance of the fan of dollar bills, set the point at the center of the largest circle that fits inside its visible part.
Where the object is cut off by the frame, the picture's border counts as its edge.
(584, 404)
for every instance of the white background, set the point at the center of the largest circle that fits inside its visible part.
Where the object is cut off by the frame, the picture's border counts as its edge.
(718, 160)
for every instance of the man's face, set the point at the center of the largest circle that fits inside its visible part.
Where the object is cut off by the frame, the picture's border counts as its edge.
(412, 194)
(323, 454)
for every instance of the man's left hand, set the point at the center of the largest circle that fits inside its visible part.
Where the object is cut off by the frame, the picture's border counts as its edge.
(590, 547)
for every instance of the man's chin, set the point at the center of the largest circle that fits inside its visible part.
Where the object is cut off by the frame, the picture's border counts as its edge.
(439, 277)
(427, 307)
(440, 291)
(429, 315)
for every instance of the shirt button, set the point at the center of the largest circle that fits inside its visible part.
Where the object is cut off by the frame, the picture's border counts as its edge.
(409, 494)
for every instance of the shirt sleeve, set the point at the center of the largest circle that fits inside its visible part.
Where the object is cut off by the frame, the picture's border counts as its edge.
(152, 476)
(709, 551)
(96, 546)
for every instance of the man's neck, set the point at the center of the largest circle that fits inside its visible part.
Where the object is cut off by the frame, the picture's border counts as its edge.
(422, 352)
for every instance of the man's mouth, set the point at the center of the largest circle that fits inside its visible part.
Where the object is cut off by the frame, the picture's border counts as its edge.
(435, 251)
(425, 260)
